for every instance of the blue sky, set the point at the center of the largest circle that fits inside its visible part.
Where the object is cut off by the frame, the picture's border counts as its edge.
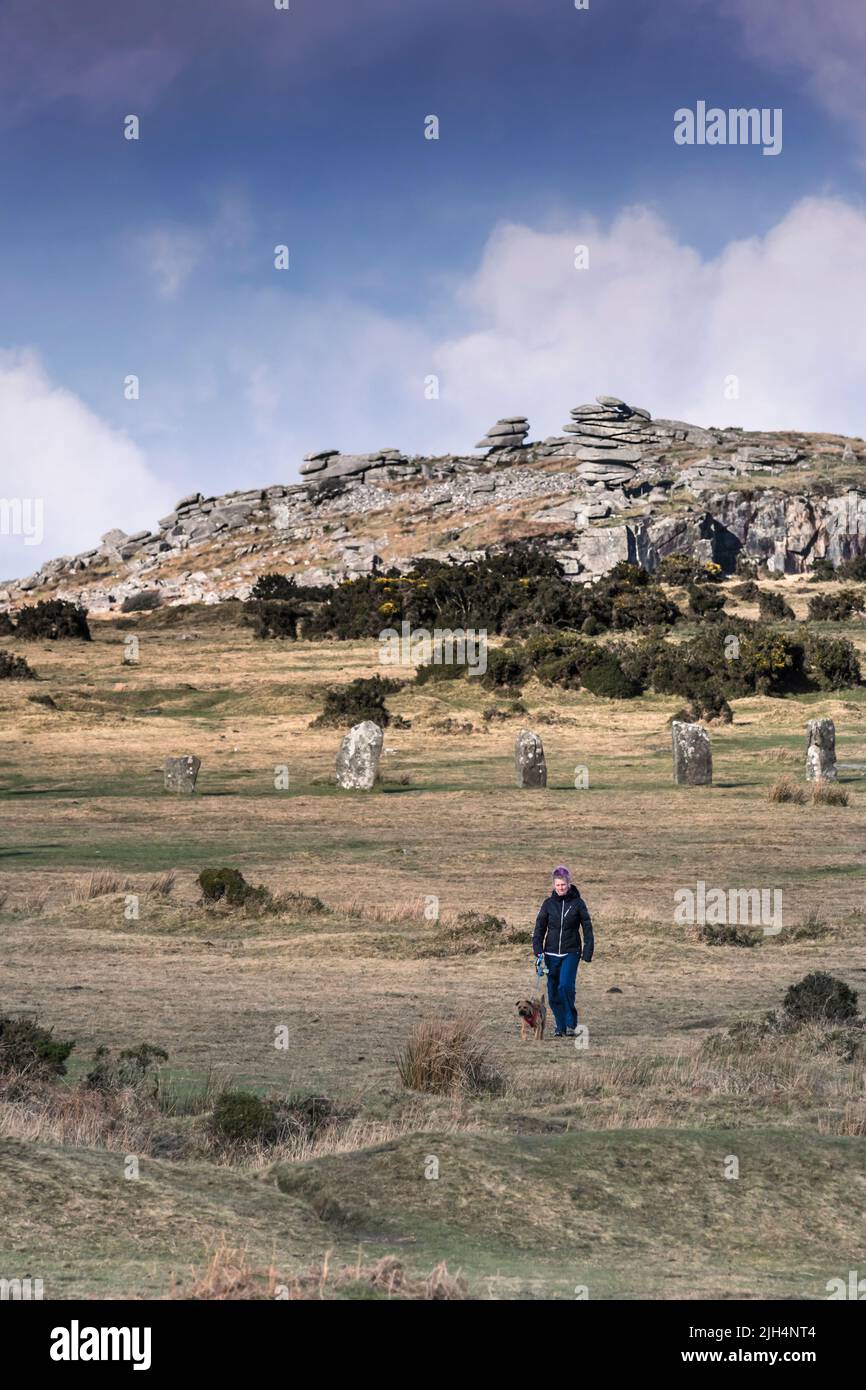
(408, 257)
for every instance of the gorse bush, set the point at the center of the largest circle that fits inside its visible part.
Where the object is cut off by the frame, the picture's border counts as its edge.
(772, 607)
(15, 668)
(53, 619)
(131, 1067)
(606, 677)
(833, 662)
(273, 619)
(7, 627)
(835, 608)
(240, 1117)
(361, 699)
(706, 602)
(820, 998)
(28, 1048)
(229, 886)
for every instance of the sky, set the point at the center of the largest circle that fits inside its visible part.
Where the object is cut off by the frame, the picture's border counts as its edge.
(433, 285)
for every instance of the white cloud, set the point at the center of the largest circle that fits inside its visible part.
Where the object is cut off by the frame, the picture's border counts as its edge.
(652, 321)
(826, 42)
(88, 476)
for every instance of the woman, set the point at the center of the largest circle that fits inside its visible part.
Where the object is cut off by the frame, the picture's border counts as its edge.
(558, 936)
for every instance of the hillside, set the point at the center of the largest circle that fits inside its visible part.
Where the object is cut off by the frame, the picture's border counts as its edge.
(616, 485)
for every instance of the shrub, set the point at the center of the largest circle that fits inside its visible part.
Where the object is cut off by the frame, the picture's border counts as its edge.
(364, 698)
(273, 619)
(52, 619)
(826, 793)
(145, 601)
(707, 703)
(506, 669)
(15, 668)
(644, 607)
(853, 569)
(747, 592)
(7, 627)
(25, 1047)
(772, 607)
(727, 934)
(446, 1057)
(129, 1068)
(241, 1117)
(606, 677)
(679, 570)
(282, 587)
(822, 569)
(230, 886)
(820, 997)
(440, 671)
(785, 789)
(705, 602)
(833, 662)
(835, 608)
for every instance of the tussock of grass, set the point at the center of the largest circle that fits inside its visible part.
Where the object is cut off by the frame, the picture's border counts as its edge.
(100, 885)
(829, 794)
(230, 1274)
(446, 1056)
(785, 789)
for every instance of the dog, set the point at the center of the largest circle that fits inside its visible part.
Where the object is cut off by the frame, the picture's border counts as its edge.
(533, 1016)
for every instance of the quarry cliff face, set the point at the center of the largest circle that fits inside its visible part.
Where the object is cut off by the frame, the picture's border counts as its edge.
(616, 485)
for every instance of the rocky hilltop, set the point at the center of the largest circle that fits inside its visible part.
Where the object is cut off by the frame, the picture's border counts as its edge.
(615, 485)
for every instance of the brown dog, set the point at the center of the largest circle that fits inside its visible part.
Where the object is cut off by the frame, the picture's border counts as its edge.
(533, 1016)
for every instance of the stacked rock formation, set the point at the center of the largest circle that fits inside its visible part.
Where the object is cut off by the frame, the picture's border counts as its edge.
(693, 758)
(386, 465)
(821, 750)
(607, 440)
(508, 433)
(529, 764)
(358, 758)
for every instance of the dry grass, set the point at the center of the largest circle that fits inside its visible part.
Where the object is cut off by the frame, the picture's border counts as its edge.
(163, 885)
(786, 789)
(100, 885)
(121, 1120)
(447, 1057)
(826, 793)
(231, 1275)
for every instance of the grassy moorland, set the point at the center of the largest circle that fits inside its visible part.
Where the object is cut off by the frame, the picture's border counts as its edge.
(603, 1166)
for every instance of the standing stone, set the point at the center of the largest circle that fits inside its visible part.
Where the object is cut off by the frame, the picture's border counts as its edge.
(358, 758)
(181, 774)
(693, 758)
(821, 750)
(529, 761)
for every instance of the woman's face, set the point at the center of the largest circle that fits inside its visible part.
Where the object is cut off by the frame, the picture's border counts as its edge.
(560, 886)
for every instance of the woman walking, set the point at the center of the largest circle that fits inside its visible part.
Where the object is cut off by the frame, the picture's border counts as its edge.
(557, 936)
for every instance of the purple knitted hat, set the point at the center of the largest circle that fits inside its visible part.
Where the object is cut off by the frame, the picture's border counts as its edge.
(562, 872)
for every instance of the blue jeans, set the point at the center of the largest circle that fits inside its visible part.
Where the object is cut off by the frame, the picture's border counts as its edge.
(561, 983)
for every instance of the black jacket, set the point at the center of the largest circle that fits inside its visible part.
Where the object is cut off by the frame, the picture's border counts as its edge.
(558, 924)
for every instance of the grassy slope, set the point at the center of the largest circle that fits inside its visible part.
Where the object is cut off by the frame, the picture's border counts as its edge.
(630, 1198)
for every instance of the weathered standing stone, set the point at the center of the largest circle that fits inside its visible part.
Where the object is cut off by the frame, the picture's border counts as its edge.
(529, 761)
(821, 750)
(181, 774)
(358, 758)
(693, 758)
